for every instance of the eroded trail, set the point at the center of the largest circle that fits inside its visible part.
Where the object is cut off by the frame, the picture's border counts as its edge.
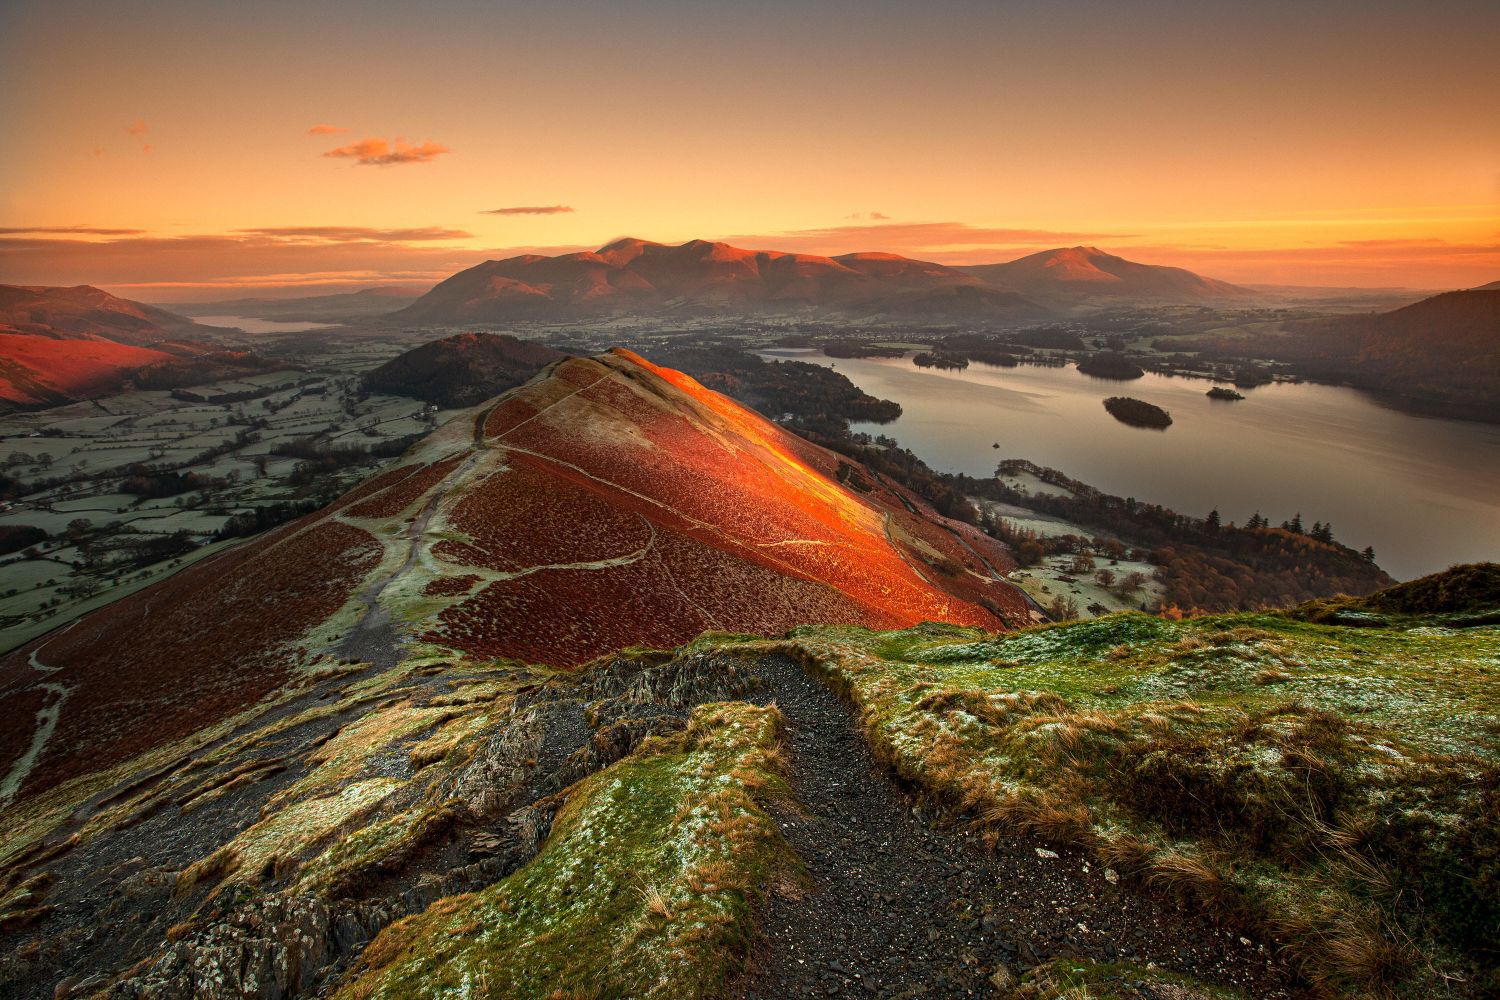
(898, 909)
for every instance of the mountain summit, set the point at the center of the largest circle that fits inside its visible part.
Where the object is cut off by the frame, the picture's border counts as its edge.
(607, 503)
(1080, 275)
(633, 275)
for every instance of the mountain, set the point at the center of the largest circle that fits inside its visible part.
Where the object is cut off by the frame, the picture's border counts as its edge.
(84, 311)
(461, 370)
(1493, 286)
(363, 304)
(637, 276)
(1439, 356)
(62, 344)
(607, 503)
(1445, 348)
(1089, 276)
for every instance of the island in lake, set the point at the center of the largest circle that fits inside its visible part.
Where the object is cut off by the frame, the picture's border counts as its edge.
(1223, 392)
(1138, 413)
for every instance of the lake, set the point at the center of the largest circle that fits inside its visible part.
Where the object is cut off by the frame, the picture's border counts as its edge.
(1424, 492)
(251, 324)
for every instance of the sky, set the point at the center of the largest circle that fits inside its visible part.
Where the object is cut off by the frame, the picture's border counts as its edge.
(197, 150)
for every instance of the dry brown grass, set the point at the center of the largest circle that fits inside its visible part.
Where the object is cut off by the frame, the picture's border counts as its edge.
(656, 903)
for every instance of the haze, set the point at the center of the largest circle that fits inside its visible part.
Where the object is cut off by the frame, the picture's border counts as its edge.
(180, 151)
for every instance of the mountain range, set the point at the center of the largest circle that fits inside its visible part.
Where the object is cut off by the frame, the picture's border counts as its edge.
(62, 344)
(638, 276)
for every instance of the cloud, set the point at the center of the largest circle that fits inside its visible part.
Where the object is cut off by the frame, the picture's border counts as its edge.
(65, 230)
(378, 152)
(914, 238)
(362, 234)
(529, 210)
(871, 216)
(1386, 244)
(206, 265)
(136, 128)
(321, 129)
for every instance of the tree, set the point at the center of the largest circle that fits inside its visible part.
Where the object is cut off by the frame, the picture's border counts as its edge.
(1105, 578)
(1063, 608)
(1295, 524)
(1212, 520)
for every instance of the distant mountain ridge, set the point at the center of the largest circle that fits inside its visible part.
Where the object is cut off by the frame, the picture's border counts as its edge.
(363, 304)
(1086, 274)
(58, 345)
(638, 276)
(85, 312)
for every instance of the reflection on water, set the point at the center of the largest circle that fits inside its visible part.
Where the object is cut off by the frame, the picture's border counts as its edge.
(251, 324)
(1425, 492)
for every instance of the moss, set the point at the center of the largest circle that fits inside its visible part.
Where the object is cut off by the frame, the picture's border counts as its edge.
(268, 848)
(645, 888)
(1349, 808)
(1082, 979)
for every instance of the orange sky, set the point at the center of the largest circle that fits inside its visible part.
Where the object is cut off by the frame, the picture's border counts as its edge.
(318, 145)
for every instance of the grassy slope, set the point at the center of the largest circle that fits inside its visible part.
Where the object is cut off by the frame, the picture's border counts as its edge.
(645, 887)
(1336, 787)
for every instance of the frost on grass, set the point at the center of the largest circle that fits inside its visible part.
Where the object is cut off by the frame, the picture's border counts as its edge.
(1335, 787)
(645, 887)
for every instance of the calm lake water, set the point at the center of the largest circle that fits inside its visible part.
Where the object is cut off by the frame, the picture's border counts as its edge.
(252, 325)
(1424, 492)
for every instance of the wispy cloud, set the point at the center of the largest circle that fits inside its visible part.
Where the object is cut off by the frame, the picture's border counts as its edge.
(360, 234)
(529, 210)
(322, 129)
(868, 216)
(377, 152)
(68, 230)
(202, 265)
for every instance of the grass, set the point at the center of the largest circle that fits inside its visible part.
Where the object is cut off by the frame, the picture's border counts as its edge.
(1082, 979)
(1334, 788)
(646, 886)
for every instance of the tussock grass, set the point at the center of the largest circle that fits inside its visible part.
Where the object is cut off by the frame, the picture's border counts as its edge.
(1335, 788)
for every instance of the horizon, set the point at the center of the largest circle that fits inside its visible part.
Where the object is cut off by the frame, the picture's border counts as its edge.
(1291, 157)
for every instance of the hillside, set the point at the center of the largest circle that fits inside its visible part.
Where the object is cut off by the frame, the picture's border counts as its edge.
(58, 345)
(607, 503)
(1076, 276)
(1439, 355)
(1263, 805)
(366, 303)
(83, 312)
(641, 277)
(461, 370)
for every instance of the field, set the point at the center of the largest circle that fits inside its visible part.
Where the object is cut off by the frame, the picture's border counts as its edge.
(69, 465)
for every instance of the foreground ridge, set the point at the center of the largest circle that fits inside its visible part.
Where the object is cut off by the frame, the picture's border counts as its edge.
(1236, 805)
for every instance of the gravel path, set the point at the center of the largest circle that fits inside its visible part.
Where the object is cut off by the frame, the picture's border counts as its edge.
(897, 909)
